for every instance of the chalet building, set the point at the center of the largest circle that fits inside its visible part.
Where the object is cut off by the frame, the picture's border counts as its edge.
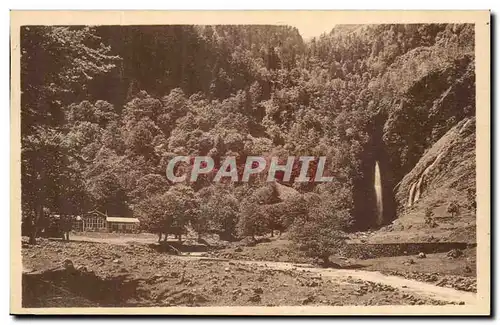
(101, 222)
(94, 221)
(122, 224)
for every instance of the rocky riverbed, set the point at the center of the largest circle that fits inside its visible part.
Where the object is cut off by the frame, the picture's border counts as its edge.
(100, 274)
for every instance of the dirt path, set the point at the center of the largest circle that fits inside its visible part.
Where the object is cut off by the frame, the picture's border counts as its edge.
(411, 286)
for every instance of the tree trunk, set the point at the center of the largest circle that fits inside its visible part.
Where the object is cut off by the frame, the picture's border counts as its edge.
(325, 260)
(32, 239)
(35, 224)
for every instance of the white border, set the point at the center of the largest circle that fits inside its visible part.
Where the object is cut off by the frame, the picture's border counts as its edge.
(215, 4)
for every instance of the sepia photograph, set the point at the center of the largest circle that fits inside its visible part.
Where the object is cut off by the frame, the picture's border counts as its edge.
(279, 163)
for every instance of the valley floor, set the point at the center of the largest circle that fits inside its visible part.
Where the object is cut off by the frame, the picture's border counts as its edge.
(112, 270)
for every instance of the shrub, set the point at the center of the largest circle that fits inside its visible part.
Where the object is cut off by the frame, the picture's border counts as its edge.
(219, 212)
(453, 208)
(321, 232)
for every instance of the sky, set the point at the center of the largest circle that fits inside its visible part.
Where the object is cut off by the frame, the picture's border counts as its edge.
(308, 30)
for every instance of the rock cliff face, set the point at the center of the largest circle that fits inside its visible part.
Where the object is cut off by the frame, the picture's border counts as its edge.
(444, 177)
(424, 144)
(449, 162)
(430, 107)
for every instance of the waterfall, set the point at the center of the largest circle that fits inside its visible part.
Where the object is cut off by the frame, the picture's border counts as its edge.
(378, 194)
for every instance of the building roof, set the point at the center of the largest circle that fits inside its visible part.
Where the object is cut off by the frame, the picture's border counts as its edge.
(98, 212)
(122, 219)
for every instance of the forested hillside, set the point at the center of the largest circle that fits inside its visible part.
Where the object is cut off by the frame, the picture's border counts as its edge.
(105, 108)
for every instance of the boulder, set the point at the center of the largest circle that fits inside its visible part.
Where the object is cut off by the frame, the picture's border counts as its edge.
(255, 298)
(455, 253)
(421, 255)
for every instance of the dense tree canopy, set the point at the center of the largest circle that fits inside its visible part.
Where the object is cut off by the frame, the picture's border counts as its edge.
(104, 109)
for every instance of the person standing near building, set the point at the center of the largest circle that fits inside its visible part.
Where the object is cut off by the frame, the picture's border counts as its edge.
(66, 226)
